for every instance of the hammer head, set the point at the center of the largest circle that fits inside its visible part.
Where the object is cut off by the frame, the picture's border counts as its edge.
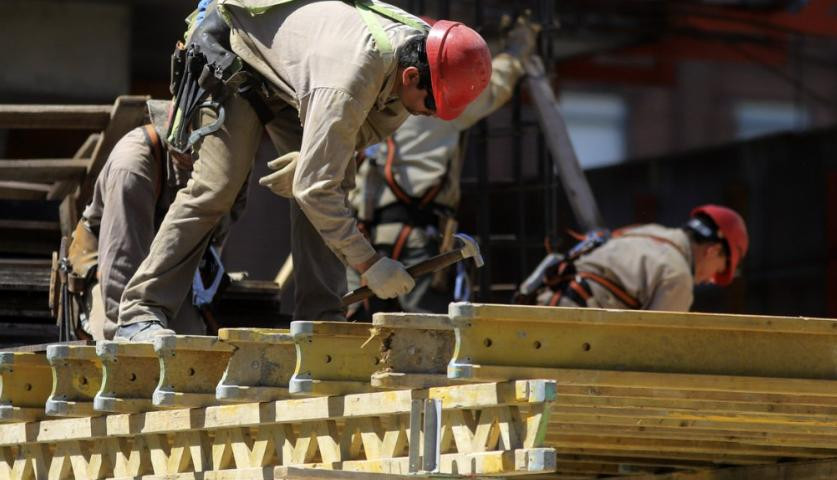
(469, 248)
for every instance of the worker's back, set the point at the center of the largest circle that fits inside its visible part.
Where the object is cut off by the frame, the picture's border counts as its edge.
(652, 263)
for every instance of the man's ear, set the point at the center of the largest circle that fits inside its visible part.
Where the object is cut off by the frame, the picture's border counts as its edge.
(410, 77)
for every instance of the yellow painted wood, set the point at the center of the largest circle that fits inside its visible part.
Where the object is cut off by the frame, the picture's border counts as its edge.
(415, 350)
(669, 342)
(76, 378)
(260, 367)
(816, 470)
(190, 368)
(131, 373)
(25, 385)
(362, 432)
(333, 358)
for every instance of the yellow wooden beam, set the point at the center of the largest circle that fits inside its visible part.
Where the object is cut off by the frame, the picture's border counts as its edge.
(334, 358)
(25, 384)
(131, 373)
(260, 367)
(190, 368)
(488, 429)
(816, 470)
(415, 350)
(76, 378)
(495, 338)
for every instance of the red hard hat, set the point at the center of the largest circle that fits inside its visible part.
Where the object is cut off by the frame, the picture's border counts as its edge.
(731, 227)
(460, 66)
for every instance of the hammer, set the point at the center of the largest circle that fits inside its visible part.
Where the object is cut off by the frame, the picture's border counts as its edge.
(467, 247)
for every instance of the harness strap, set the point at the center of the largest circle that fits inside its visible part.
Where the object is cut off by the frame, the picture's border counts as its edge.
(156, 147)
(611, 287)
(390, 176)
(403, 235)
(399, 192)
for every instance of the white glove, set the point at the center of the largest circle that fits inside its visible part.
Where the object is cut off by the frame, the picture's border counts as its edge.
(281, 181)
(387, 278)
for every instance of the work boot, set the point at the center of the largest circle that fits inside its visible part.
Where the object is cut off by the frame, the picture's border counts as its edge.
(141, 331)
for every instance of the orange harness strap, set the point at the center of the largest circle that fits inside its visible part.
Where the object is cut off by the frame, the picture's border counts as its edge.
(612, 287)
(156, 150)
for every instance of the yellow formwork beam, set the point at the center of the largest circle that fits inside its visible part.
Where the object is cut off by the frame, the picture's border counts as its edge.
(333, 358)
(260, 367)
(483, 429)
(25, 385)
(808, 470)
(491, 338)
(76, 378)
(415, 350)
(131, 373)
(190, 368)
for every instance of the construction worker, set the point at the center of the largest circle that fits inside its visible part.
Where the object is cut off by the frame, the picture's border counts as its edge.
(324, 78)
(131, 196)
(648, 267)
(408, 188)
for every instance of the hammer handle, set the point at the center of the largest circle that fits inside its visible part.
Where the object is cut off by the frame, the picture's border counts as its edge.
(422, 268)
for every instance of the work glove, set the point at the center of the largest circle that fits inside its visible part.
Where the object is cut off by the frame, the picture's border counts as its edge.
(387, 278)
(281, 181)
(521, 39)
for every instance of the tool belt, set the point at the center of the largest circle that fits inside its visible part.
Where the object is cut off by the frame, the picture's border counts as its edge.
(205, 68)
(74, 269)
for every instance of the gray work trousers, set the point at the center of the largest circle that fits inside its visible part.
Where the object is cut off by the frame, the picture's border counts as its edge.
(225, 157)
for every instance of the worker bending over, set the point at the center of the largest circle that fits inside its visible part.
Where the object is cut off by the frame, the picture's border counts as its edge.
(325, 78)
(408, 190)
(131, 196)
(649, 267)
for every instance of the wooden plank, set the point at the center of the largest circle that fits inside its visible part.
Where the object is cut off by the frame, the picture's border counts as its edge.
(817, 470)
(75, 117)
(283, 411)
(128, 113)
(524, 337)
(12, 190)
(42, 170)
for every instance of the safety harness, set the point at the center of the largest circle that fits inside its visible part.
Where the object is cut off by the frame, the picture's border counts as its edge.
(564, 280)
(410, 211)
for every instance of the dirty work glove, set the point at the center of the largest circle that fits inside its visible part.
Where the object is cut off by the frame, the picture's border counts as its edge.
(387, 278)
(281, 181)
(520, 41)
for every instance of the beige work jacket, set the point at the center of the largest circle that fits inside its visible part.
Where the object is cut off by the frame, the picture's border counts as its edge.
(657, 274)
(321, 59)
(427, 148)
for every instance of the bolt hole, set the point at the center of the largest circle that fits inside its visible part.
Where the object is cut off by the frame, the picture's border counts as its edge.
(132, 377)
(328, 358)
(537, 345)
(585, 346)
(487, 342)
(191, 372)
(84, 380)
(27, 387)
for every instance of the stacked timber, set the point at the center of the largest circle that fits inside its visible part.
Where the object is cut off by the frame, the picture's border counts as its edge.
(487, 390)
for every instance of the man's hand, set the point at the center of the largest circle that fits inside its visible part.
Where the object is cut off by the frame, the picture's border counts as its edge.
(387, 278)
(281, 181)
(521, 39)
